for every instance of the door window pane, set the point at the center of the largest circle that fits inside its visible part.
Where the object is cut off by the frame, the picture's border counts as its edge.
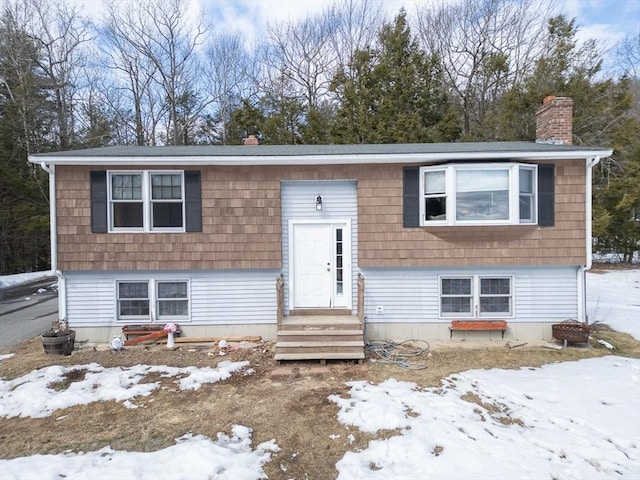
(339, 259)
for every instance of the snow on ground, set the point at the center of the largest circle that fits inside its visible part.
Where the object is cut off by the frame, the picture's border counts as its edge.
(613, 297)
(191, 458)
(570, 420)
(32, 395)
(564, 421)
(21, 278)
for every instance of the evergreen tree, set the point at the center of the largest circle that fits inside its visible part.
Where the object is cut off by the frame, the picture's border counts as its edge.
(393, 94)
(24, 126)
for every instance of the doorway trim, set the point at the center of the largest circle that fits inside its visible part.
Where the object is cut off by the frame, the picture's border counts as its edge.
(347, 267)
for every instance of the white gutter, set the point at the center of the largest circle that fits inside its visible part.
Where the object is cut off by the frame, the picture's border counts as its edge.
(323, 159)
(582, 270)
(591, 162)
(53, 232)
(53, 226)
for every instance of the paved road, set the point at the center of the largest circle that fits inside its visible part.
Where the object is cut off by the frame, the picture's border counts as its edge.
(26, 311)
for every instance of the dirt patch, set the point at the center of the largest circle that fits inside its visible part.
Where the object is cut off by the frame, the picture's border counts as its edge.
(287, 403)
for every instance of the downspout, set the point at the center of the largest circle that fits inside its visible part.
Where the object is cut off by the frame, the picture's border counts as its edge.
(53, 232)
(582, 270)
(51, 170)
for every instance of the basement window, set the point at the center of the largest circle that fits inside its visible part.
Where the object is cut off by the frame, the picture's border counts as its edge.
(153, 300)
(476, 296)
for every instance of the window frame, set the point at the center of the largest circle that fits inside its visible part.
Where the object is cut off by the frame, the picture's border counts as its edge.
(451, 194)
(158, 300)
(476, 295)
(147, 202)
(153, 300)
(119, 315)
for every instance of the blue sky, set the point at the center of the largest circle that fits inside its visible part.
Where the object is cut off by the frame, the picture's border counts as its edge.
(608, 21)
(605, 20)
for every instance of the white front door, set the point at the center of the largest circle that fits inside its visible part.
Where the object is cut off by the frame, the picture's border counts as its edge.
(321, 267)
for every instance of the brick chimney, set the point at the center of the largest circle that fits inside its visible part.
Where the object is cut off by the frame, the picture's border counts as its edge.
(251, 140)
(554, 121)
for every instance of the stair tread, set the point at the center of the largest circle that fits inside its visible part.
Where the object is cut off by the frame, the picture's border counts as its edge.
(320, 343)
(320, 356)
(320, 332)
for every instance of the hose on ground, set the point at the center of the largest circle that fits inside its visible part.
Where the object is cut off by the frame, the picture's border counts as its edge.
(399, 353)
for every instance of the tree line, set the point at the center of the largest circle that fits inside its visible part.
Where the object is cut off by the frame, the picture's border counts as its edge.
(149, 72)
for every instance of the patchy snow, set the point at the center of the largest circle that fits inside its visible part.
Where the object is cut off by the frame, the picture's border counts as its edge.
(613, 297)
(191, 458)
(564, 421)
(22, 278)
(36, 395)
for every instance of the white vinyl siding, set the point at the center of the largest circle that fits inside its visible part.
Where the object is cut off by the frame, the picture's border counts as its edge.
(412, 295)
(216, 297)
(339, 202)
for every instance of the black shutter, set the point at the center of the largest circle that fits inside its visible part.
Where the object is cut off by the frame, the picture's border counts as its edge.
(193, 201)
(411, 197)
(546, 193)
(98, 193)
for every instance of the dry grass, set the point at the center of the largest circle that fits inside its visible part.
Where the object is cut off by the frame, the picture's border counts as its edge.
(286, 403)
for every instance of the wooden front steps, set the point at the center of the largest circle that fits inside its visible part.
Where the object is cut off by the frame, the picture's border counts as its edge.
(320, 337)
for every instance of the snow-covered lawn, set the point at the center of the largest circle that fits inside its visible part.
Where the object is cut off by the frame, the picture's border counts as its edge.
(613, 298)
(572, 420)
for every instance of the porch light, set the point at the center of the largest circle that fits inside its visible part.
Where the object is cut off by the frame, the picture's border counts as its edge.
(319, 202)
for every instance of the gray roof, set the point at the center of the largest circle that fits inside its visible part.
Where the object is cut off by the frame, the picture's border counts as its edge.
(318, 154)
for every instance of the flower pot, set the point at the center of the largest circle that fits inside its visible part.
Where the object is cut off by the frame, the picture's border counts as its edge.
(58, 344)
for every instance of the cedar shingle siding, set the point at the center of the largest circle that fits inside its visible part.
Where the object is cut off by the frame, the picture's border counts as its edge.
(242, 225)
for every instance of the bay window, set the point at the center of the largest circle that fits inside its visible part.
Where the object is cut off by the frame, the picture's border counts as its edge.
(488, 194)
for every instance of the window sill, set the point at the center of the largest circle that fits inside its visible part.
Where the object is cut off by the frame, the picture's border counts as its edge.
(480, 232)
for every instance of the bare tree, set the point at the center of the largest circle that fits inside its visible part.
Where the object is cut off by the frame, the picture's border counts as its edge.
(166, 45)
(628, 60)
(227, 66)
(356, 26)
(133, 75)
(62, 33)
(485, 46)
(302, 53)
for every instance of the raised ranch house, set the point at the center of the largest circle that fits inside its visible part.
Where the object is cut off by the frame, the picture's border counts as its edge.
(322, 247)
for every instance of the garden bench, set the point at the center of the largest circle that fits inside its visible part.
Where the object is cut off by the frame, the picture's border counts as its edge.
(477, 325)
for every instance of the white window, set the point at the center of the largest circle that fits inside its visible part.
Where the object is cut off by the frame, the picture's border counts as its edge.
(476, 296)
(152, 300)
(133, 300)
(490, 194)
(172, 300)
(146, 201)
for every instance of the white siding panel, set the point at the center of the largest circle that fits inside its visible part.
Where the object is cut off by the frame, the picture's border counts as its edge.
(340, 202)
(217, 297)
(234, 297)
(411, 295)
(90, 300)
